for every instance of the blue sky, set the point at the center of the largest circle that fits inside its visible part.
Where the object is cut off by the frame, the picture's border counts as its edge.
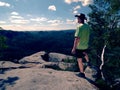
(25, 15)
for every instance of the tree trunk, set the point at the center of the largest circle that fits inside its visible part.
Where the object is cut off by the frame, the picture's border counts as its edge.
(102, 59)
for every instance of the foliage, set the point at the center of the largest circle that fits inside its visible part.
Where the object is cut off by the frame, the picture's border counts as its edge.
(2, 44)
(26, 43)
(104, 21)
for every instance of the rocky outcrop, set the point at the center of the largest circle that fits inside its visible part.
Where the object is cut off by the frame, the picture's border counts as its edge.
(54, 60)
(34, 73)
(8, 64)
(57, 57)
(35, 58)
(43, 79)
(57, 61)
(92, 72)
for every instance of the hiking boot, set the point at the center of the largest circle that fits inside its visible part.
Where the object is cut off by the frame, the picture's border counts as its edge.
(81, 75)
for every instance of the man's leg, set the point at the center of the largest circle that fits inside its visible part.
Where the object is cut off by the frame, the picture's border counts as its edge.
(86, 56)
(87, 59)
(81, 67)
(80, 64)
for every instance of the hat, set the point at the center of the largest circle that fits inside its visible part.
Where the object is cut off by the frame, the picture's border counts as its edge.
(81, 16)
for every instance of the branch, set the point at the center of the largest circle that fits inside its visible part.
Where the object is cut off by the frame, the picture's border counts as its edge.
(102, 59)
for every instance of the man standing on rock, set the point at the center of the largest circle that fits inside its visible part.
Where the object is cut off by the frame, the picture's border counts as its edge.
(81, 41)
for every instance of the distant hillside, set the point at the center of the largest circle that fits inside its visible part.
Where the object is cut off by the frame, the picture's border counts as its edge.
(21, 44)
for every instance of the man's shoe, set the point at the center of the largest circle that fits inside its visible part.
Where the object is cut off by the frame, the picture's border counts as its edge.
(81, 75)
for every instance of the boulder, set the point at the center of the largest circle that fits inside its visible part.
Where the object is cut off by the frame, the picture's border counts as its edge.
(8, 64)
(57, 57)
(92, 73)
(67, 66)
(35, 58)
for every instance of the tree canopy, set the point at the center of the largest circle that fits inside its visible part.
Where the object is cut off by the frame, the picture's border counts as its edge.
(105, 24)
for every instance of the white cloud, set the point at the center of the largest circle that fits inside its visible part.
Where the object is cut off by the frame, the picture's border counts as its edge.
(75, 12)
(16, 17)
(42, 19)
(71, 1)
(52, 8)
(2, 22)
(20, 21)
(4, 4)
(77, 7)
(68, 21)
(55, 22)
(84, 2)
(14, 13)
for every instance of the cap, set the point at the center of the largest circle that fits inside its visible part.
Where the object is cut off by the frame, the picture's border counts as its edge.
(81, 16)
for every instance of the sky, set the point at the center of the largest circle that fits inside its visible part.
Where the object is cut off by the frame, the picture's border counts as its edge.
(40, 15)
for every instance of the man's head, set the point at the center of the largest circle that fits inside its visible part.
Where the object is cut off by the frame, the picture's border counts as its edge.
(81, 17)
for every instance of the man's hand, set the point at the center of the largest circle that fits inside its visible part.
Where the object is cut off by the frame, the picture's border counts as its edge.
(73, 51)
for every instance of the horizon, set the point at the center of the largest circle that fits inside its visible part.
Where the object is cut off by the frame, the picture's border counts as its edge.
(18, 15)
(35, 30)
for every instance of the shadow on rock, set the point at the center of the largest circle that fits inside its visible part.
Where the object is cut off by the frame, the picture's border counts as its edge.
(8, 81)
(3, 70)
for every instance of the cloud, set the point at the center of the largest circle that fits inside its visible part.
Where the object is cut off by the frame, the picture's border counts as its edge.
(84, 2)
(4, 4)
(52, 8)
(77, 7)
(55, 22)
(2, 22)
(17, 19)
(14, 13)
(20, 21)
(70, 1)
(68, 21)
(75, 12)
(39, 19)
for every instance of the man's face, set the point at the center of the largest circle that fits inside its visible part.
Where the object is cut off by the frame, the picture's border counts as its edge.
(79, 20)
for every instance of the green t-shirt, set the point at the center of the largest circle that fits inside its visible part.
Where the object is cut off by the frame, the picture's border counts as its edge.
(83, 32)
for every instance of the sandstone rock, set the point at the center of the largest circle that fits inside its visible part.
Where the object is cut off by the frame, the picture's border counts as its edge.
(57, 57)
(67, 66)
(35, 58)
(43, 79)
(48, 65)
(8, 64)
(91, 73)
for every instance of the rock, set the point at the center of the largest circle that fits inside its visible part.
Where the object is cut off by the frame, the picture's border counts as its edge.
(67, 66)
(8, 64)
(92, 73)
(57, 57)
(35, 58)
(52, 65)
(43, 79)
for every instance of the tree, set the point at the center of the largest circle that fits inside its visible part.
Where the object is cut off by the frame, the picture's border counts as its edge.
(2, 42)
(105, 24)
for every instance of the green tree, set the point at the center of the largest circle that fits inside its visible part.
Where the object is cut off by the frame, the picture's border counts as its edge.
(2, 43)
(105, 23)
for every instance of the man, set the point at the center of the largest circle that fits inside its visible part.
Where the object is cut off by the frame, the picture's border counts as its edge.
(81, 42)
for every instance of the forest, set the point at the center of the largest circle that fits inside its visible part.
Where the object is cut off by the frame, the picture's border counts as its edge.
(24, 43)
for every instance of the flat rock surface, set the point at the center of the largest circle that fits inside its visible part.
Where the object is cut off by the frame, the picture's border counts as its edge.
(43, 79)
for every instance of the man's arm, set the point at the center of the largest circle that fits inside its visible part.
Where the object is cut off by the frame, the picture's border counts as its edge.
(76, 40)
